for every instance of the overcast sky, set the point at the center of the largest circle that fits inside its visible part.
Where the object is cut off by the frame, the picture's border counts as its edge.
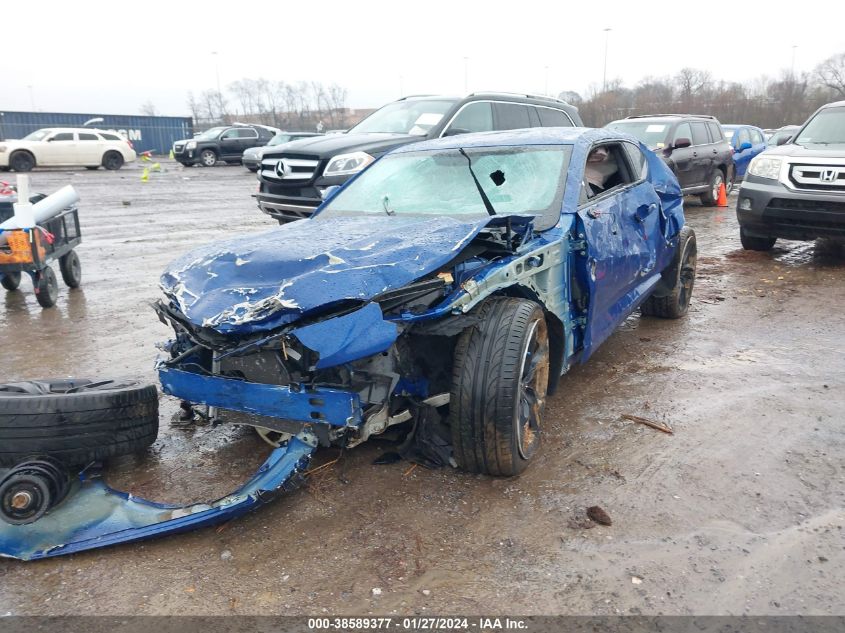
(110, 57)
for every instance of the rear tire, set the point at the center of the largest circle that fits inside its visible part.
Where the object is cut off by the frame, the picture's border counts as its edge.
(46, 287)
(71, 269)
(113, 160)
(11, 281)
(754, 243)
(680, 277)
(711, 197)
(76, 421)
(499, 383)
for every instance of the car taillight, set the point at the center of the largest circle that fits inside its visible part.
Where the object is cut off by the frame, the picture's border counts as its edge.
(129, 143)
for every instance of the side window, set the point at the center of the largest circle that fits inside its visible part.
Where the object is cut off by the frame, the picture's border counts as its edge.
(637, 160)
(606, 169)
(229, 134)
(110, 137)
(474, 117)
(87, 136)
(511, 116)
(246, 132)
(716, 134)
(63, 136)
(549, 117)
(744, 137)
(682, 131)
(699, 133)
(756, 137)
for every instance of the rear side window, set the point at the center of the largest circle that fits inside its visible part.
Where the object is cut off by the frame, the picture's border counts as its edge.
(511, 116)
(716, 134)
(744, 137)
(63, 136)
(110, 137)
(87, 136)
(475, 117)
(549, 117)
(246, 132)
(637, 159)
(699, 134)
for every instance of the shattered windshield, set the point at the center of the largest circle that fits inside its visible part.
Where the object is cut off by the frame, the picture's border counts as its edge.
(516, 180)
(826, 128)
(406, 117)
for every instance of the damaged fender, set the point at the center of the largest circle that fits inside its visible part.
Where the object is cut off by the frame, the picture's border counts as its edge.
(94, 515)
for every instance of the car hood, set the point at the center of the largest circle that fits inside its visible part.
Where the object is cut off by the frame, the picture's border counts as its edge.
(257, 283)
(334, 144)
(809, 151)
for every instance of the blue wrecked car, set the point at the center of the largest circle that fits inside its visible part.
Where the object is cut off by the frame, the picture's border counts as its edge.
(444, 291)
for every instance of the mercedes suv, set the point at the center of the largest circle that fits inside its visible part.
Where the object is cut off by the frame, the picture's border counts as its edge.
(692, 145)
(797, 191)
(294, 177)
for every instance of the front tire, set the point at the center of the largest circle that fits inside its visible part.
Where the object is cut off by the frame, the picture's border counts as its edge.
(208, 158)
(679, 276)
(22, 161)
(711, 197)
(46, 288)
(71, 269)
(754, 243)
(499, 383)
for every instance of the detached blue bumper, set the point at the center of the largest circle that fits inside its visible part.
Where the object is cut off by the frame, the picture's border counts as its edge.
(315, 406)
(93, 515)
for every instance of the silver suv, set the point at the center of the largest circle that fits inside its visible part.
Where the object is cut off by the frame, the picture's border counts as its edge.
(797, 191)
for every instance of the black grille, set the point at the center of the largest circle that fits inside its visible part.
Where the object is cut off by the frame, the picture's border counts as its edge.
(823, 206)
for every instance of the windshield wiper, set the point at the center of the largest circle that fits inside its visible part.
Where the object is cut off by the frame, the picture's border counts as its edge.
(487, 204)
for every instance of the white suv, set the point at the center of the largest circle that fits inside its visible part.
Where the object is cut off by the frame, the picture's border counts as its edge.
(65, 146)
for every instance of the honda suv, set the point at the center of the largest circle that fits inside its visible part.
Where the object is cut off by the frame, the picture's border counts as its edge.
(225, 143)
(295, 177)
(692, 145)
(797, 191)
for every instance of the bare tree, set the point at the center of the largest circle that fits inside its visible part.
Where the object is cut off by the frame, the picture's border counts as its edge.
(194, 106)
(337, 104)
(831, 74)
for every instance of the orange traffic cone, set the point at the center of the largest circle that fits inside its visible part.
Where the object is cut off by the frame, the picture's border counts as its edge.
(722, 200)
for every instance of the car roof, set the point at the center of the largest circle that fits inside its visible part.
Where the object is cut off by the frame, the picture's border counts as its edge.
(835, 104)
(646, 117)
(734, 126)
(529, 136)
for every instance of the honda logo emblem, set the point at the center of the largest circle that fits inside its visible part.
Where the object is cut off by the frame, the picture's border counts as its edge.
(829, 175)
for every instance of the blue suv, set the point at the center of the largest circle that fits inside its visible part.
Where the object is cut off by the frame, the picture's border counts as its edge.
(747, 141)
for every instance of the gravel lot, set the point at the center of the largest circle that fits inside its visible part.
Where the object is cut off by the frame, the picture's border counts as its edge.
(740, 511)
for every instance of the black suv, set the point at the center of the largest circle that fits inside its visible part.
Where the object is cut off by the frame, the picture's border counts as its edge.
(797, 191)
(692, 145)
(295, 177)
(221, 143)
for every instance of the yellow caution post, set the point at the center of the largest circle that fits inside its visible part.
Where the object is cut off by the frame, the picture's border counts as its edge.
(145, 175)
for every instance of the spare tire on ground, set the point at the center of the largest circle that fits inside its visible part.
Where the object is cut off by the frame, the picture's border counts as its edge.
(76, 421)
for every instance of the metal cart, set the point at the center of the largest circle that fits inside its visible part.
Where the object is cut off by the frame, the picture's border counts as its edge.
(31, 251)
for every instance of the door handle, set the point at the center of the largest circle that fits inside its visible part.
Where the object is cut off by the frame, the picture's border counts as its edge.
(695, 153)
(715, 151)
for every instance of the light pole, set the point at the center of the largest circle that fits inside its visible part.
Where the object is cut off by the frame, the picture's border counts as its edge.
(604, 74)
(466, 74)
(792, 72)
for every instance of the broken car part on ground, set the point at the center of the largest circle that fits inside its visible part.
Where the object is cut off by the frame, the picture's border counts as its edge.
(447, 287)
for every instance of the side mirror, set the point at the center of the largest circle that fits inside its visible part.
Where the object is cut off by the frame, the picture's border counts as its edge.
(680, 143)
(454, 131)
(744, 146)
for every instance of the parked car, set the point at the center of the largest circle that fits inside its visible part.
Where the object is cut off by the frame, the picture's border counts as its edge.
(66, 147)
(692, 145)
(782, 135)
(797, 191)
(251, 158)
(447, 286)
(747, 141)
(226, 143)
(294, 178)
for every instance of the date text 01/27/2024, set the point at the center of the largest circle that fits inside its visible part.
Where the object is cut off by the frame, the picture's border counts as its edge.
(481, 624)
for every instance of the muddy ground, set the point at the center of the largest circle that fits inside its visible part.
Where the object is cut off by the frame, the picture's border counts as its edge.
(740, 511)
